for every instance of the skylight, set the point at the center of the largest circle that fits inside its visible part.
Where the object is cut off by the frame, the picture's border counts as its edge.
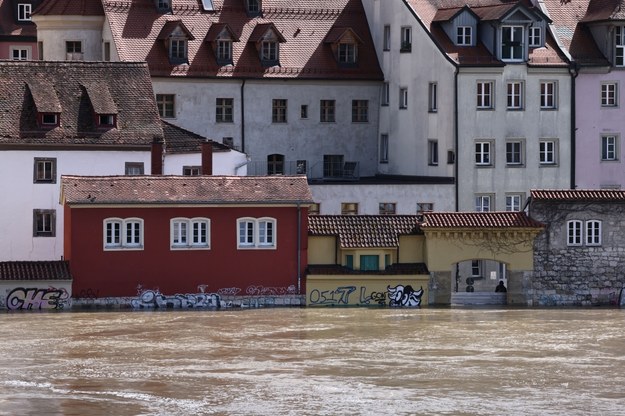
(208, 5)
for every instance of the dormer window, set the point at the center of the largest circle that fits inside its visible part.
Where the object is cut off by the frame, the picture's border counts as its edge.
(512, 46)
(176, 37)
(535, 40)
(344, 43)
(23, 12)
(267, 40)
(163, 6)
(464, 36)
(49, 120)
(103, 106)
(619, 41)
(269, 51)
(178, 49)
(221, 38)
(252, 7)
(106, 120)
(224, 50)
(347, 53)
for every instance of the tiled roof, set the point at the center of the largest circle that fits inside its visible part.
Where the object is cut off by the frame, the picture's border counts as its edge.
(602, 10)
(433, 220)
(394, 269)
(70, 8)
(575, 36)
(35, 270)
(179, 140)
(304, 24)
(68, 88)
(433, 12)
(362, 231)
(578, 195)
(204, 190)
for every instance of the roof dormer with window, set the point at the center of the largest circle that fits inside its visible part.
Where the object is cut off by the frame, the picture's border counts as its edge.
(163, 6)
(253, 8)
(103, 107)
(267, 39)
(344, 43)
(47, 105)
(221, 37)
(518, 30)
(176, 38)
(460, 25)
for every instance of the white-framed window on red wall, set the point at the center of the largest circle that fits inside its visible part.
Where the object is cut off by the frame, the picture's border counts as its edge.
(123, 233)
(256, 233)
(190, 233)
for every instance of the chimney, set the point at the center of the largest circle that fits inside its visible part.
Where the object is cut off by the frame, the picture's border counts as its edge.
(207, 157)
(157, 156)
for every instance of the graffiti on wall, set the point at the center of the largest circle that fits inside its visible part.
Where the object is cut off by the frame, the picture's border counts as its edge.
(35, 298)
(156, 300)
(263, 291)
(399, 295)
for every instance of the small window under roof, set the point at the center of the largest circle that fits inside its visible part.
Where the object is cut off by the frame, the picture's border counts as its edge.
(207, 5)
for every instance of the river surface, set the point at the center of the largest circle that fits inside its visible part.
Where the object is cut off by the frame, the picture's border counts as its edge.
(314, 362)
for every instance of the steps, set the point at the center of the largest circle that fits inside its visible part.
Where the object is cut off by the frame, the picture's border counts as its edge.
(478, 298)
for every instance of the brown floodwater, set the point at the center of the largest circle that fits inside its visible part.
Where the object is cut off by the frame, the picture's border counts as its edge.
(314, 362)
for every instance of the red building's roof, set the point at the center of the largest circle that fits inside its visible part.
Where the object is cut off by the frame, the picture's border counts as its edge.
(202, 190)
(70, 8)
(578, 195)
(35, 270)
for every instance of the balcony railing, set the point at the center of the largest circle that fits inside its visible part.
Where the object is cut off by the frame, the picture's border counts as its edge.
(335, 171)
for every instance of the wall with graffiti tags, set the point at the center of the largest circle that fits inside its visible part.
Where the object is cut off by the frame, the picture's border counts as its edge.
(367, 290)
(35, 295)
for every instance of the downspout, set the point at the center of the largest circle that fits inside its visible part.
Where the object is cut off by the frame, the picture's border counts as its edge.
(243, 116)
(299, 249)
(574, 73)
(456, 140)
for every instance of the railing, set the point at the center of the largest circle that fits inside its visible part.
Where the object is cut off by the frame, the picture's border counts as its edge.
(333, 171)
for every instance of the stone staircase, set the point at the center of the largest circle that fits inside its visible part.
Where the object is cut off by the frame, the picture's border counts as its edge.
(478, 298)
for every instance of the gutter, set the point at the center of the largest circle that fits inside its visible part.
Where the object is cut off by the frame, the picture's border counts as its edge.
(456, 140)
(242, 116)
(299, 249)
(574, 73)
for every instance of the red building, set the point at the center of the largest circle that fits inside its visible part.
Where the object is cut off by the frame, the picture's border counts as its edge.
(185, 234)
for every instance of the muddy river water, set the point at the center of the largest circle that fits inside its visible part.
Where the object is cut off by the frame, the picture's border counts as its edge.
(314, 362)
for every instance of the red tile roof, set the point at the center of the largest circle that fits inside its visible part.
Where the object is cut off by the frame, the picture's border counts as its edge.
(70, 8)
(35, 270)
(604, 10)
(202, 190)
(578, 195)
(363, 231)
(506, 219)
(304, 24)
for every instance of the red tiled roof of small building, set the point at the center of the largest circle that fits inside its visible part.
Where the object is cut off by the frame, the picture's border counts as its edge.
(364, 231)
(202, 190)
(578, 195)
(61, 87)
(70, 8)
(136, 24)
(517, 219)
(35, 270)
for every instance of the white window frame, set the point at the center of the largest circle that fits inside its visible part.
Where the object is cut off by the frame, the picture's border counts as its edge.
(483, 203)
(387, 208)
(535, 37)
(256, 233)
(548, 95)
(483, 153)
(224, 50)
(514, 94)
(464, 36)
(548, 152)
(178, 48)
(23, 53)
(609, 147)
(383, 148)
(403, 98)
(122, 242)
(593, 232)
(432, 97)
(269, 51)
(485, 95)
(405, 39)
(386, 38)
(386, 92)
(24, 11)
(609, 94)
(515, 156)
(183, 233)
(347, 53)
(574, 233)
(164, 102)
(619, 46)
(508, 52)
(513, 202)
(476, 268)
(433, 152)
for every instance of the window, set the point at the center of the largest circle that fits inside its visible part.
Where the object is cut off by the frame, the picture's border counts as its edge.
(619, 43)
(327, 108)
(162, 5)
(432, 152)
(349, 261)
(403, 98)
(482, 153)
(387, 208)
(476, 268)
(406, 39)
(360, 111)
(548, 95)
(123, 233)
(432, 97)
(512, 47)
(515, 95)
(514, 152)
(269, 51)
(275, 164)
(369, 262)
(534, 37)
(49, 120)
(224, 110)
(424, 207)
(384, 148)
(23, 12)
(349, 208)
(178, 50)
(20, 54)
(314, 209)
(253, 7)
(574, 233)
(165, 104)
(464, 36)
(44, 223)
(107, 51)
(106, 120)
(45, 170)
(303, 111)
(385, 94)
(547, 152)
(485, 95)
(608, 148)
(256, 233)
(224, 51)
(386, 43)
(609, 97)
(73, 50)
(278, 111)
(134, 168)
(332, 166)
(513, 202)
(191, 170)
(593, 233)
(301, 167)
(482, 203)
(347, 53)
(190, 233)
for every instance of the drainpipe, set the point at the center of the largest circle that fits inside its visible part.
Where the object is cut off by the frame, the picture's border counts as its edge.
(243, 116)
(299, 249)
(574, 73)
(456, 156)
